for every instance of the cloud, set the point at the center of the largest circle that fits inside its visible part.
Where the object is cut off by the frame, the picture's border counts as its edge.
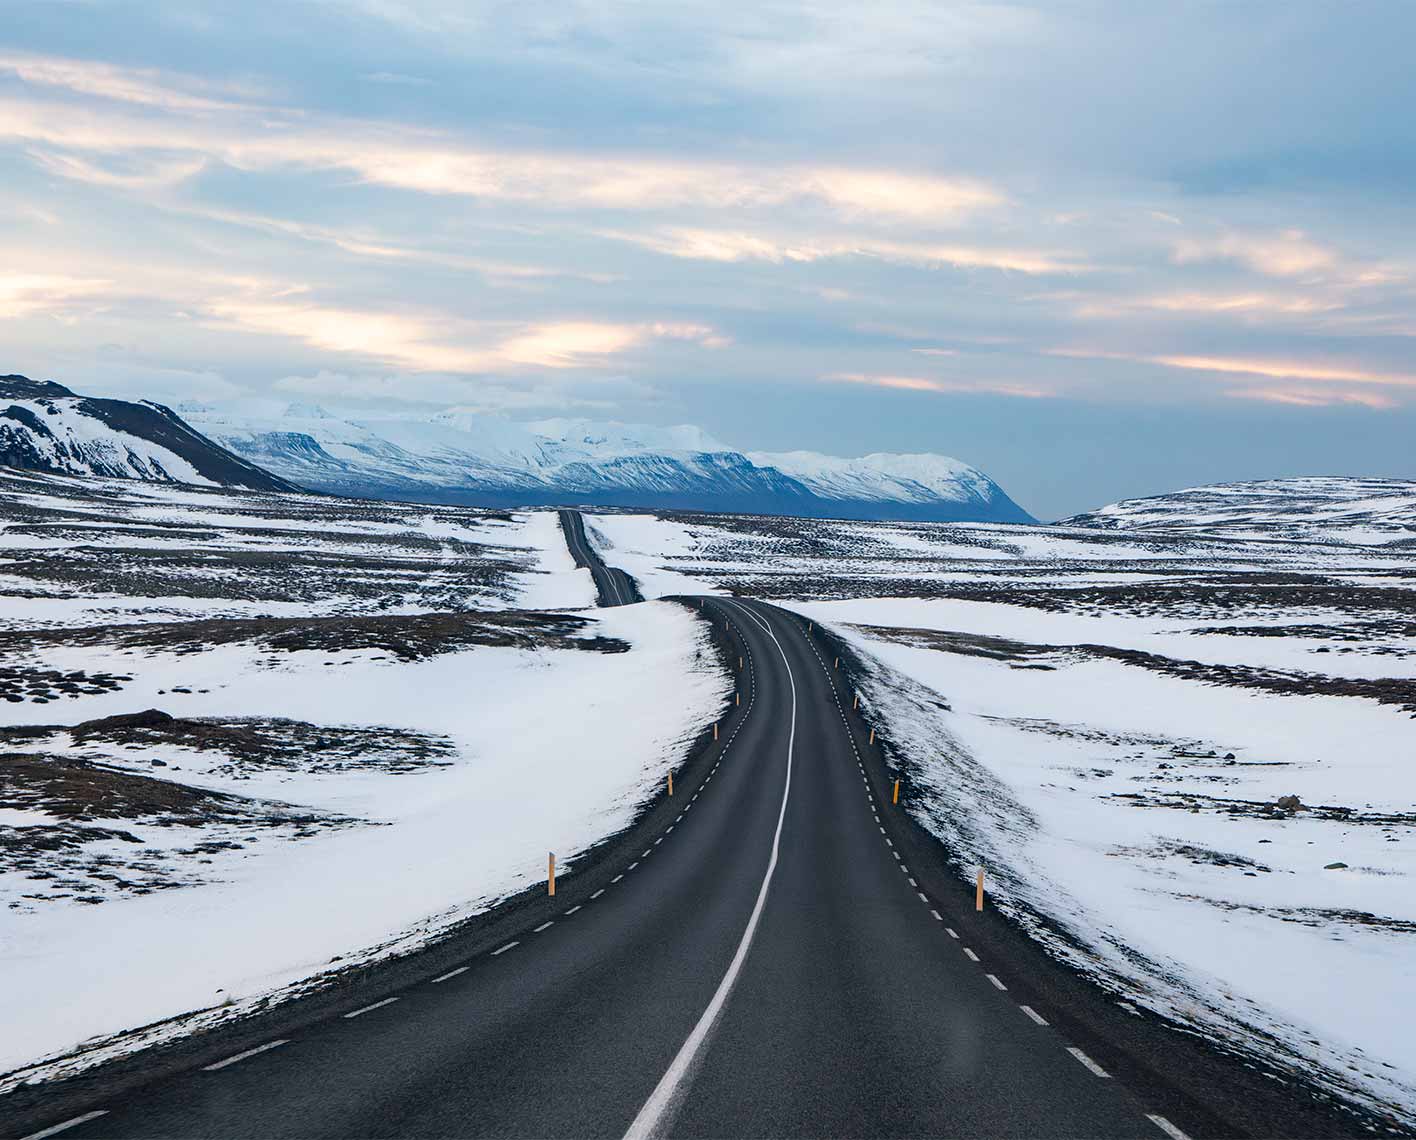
(147, 173)
(1195, 302)
(251, 136)
(432, 343)
(1314, 397)
(141, 86)
(729, 246)
(24, 294)
(925, 384)
(1286, 254)
(1284, 369)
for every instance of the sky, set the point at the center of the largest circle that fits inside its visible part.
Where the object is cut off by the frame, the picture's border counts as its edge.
(1096, 249)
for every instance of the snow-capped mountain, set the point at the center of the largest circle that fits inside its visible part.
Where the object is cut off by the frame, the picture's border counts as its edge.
(46, 427)
(1320, 508)
(465, 457)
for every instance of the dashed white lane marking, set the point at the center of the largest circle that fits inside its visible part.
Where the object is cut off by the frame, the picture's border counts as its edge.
(1032, 1013)
(1166, 1127)
(952, 932)
(680, 817)
(505, 948)
(617, 878)
(971, 955)
(896, 854)
(632, 865)
(55, 1129)
(1096, 1069)
(887, 838)
(646, 852)
(658, 841)
(380, 1004)
(669, 828)
(914, 884)
(276, 1044)
(573, 909)
(667, 1092)
(543, 926)
(882, 831)
(937, 916)
(452, 974)
(994, 979)
(921, 895)
(598, 893)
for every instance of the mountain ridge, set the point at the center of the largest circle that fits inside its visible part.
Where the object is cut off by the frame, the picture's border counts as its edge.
(464, 457)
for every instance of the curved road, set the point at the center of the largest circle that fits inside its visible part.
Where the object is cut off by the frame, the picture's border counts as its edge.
(614, 586)
(773, 958)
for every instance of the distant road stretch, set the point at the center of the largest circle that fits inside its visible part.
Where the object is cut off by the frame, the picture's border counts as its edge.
(615, 587)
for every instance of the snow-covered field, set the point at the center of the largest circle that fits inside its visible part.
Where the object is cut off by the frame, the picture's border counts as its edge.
(375, 720)
(1113, 723)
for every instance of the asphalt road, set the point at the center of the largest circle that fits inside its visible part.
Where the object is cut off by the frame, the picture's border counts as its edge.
(776, 955)
(614, 586)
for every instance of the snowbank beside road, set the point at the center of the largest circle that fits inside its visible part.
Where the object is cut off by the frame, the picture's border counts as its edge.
(642, 544)
(555, 749)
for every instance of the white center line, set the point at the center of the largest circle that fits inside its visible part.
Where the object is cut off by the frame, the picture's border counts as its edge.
(994, 979)
(505, 948)
(573, 909)
(452, 973)
(617, 878)
(938, 917)
(632, 865)
(1032, 1013)
(646, 852)
(55, 1129)
(669, 1089)
(972, 956)
(1087, 1061)
(1166, 1127)
(543, 926)
(242, 1056)
(598, 893)
(658, 841)
(376, 1005)
(921, 895)
(952, 934)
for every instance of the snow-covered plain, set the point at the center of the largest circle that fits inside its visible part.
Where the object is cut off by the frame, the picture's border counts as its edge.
(1108, 722)
(382, 727)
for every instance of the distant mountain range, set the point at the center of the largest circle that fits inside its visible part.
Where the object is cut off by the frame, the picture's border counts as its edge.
(458, 457)
(46, 427)
(1363, 512)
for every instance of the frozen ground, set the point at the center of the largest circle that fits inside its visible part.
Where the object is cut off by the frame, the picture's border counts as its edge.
(1184, 758)
(363, 735)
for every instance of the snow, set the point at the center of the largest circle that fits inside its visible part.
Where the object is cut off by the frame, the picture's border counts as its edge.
(640, 545)
(555, 750)
(555, 582)
(881, 475)
(84, 443)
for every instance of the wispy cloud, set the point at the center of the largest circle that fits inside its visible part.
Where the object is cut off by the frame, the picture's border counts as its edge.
(1314, 397)
(25, 294)
(927, 384)
(729, 246)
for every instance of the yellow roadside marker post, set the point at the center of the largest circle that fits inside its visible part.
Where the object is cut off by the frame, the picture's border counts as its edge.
(551, 874)
(978, 899)
(897, 792)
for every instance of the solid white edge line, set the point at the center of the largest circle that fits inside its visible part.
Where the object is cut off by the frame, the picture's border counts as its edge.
(661, 1100)
(1166, 1127)
(371, 1008)
(1096, 1069)
(1032, 1013)
(55, 1129)
(248, 1053)
(505, 948)
(452, 974)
